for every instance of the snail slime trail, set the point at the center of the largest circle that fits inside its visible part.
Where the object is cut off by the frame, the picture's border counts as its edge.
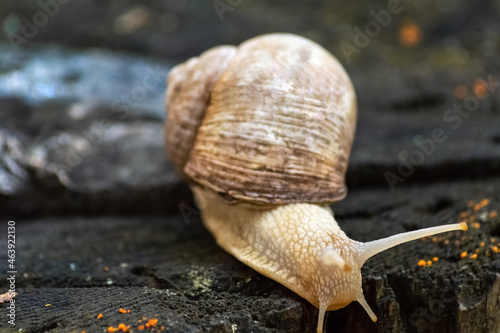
(258, 195)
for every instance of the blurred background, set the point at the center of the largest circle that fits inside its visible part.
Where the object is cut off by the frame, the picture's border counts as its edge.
(84, 172)
(72, 69)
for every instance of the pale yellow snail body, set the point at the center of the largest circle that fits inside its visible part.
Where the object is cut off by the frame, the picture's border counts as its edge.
(264, 132)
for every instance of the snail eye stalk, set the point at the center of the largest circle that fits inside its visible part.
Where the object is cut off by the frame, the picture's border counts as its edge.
(369, 249)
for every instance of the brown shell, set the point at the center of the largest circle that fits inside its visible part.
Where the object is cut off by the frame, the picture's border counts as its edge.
(188, 93)
(279, 124)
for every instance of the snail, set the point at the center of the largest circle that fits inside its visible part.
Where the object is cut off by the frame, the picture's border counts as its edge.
(263, 132)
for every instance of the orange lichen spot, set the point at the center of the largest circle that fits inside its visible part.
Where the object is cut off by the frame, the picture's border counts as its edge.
(463, 254)
(422, 263)
(476, 225)
(447, 241)
(429, 262)
(481, 244)
(464, 215)
(492, 240)
(473, 256)
(153, 322)
(7, 296)
(493, 214)
(163, 327)
(476, 250)
(124, 328)
(106, 269)
(480, 88)
(112, 329)
(461, 92)
(495, 249)
(121, 310)
(410, 34)
(435, 259)
(140, 327)
(477, 206)
(99, 316)
(484, 202)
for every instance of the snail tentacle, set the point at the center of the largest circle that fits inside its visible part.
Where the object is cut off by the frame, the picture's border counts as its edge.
(369, 249)
(321, 317)
(361, 300)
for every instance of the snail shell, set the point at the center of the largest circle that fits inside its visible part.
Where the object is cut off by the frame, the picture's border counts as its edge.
(269, 122)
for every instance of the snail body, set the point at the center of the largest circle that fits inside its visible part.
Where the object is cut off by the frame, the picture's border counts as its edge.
(263, 132)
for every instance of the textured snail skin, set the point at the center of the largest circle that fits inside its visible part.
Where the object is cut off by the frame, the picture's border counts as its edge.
(286, 243)
(300, 246)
